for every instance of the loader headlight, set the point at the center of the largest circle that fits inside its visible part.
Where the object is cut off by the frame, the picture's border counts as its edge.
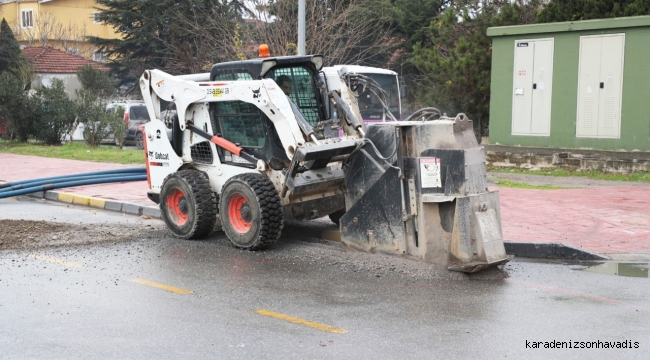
(317, 60)
(267, 65)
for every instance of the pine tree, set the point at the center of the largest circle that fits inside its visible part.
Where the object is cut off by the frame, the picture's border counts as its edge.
(147, 29)
(11, 57)
(573, 10)
(414, 16)
(240, 9)
(456, 65)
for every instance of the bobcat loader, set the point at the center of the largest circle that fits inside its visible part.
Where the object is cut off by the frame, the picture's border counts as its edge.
(244, 151)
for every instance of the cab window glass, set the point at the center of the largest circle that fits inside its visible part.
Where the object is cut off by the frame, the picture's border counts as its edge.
(233, 76)
(369, 104)
(302, 91)
(240, 123)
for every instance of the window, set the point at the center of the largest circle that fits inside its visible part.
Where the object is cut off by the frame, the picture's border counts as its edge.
(233, 76)
(369, 104)
(138, 113)
(27, 17)
(240, 123)
(99, 56)
(303, 90)
(96, 19)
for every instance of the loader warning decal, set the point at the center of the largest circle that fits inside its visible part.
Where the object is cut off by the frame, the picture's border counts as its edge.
(162, 89)
(430, 172)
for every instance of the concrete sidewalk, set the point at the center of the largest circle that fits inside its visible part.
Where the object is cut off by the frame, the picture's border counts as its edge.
(129, 197)
(605, 220)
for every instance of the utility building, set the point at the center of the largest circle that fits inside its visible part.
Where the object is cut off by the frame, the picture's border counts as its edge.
(582, 84)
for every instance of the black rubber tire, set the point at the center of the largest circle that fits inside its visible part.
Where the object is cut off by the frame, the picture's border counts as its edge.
(266, 214)
(139, 141)
(336, 216)
(200, 204)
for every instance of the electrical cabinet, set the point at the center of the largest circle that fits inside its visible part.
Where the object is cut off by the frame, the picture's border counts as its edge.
(600, 85)
(532, 87)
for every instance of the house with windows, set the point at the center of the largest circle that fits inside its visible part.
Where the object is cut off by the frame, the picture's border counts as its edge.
(60, 24)
(573, 85)
(50, 64)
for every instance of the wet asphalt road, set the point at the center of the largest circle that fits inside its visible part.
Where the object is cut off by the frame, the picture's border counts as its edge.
(81, 302)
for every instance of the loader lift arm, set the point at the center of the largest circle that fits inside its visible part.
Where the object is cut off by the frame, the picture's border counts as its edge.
(186, 94)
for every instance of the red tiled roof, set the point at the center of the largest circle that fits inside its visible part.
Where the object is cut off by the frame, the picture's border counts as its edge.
(50, 60)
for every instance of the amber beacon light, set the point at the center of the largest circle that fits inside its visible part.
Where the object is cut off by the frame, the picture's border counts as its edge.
(264, 51)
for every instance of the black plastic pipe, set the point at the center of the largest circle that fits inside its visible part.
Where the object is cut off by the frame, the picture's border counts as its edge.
(72, 184)
(54, 178)
(34, 183)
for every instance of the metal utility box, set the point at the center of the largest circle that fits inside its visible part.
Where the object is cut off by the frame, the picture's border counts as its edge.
(532, 87)
(572, 85)
(431, 202)
(599, 85)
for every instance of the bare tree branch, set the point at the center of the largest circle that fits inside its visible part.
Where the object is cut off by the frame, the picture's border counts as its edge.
(336, 29)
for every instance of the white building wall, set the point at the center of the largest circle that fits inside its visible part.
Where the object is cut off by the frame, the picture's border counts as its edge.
(70, 82)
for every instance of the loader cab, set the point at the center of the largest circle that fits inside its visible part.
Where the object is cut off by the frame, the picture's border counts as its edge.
(246, 125)
(301, 70)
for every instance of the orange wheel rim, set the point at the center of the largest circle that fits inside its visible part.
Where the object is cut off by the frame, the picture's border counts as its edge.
(239, 213)
(178, 207)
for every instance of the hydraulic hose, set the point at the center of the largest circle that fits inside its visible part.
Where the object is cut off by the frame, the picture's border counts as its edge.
(426, 114)
(114, 171)
(33, 183)
(46, 187)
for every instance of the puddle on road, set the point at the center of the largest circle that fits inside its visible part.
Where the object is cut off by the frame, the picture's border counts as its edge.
(621, 269)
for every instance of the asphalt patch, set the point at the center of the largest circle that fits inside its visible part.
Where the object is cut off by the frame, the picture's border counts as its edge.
(30, 234)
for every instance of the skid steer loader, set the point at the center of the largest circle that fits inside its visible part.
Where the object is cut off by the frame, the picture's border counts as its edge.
(244, 151)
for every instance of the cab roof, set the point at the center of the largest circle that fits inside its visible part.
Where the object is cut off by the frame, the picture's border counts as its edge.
(258, 67)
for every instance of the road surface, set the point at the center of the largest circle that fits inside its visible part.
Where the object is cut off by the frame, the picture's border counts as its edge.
(123, 288)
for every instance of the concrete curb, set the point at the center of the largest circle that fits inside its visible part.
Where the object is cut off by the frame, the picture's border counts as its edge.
(518, 249)
(98, 203)
(550, 251)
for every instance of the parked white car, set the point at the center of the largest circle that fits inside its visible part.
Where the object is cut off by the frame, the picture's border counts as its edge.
(135, 114)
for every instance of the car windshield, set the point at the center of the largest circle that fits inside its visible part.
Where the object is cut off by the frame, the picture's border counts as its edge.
(370, 106)
(138, 113)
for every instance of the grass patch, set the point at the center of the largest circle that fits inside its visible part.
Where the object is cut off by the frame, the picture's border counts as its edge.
(518, 185)
(75, 151)
(591, 174)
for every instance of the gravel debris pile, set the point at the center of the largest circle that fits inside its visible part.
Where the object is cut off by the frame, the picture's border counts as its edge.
(29, 234)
